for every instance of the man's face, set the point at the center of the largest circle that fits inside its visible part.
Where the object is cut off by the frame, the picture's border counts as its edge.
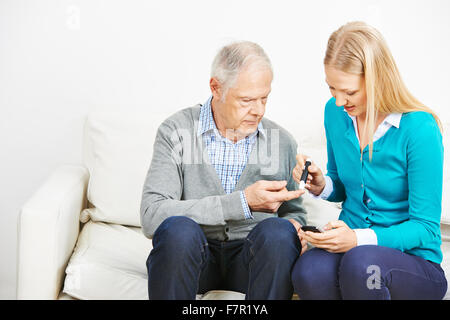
(243, 105)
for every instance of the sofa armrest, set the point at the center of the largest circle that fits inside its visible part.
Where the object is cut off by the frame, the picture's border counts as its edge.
(48, 228)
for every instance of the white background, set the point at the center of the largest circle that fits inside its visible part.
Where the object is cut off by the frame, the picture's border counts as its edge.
(61, 59)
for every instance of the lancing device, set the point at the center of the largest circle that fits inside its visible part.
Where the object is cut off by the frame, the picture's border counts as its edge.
(304, 174)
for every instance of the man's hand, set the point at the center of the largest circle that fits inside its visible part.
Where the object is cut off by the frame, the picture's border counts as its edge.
(268, 196)
(301, 235)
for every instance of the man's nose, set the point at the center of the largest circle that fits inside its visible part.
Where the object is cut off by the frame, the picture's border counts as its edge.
(258, 108)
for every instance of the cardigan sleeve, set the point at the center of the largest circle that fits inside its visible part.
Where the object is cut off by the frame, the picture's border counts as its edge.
(338, 193)
(425, 172)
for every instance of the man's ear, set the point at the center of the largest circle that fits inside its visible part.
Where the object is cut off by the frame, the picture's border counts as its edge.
(216, 89)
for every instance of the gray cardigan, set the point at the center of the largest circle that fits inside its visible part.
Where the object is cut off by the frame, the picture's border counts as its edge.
(182, 182)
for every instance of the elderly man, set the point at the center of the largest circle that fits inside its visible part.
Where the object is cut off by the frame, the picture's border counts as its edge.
(219, 199)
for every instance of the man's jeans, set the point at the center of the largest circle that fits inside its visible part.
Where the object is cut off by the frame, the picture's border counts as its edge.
(183, 262)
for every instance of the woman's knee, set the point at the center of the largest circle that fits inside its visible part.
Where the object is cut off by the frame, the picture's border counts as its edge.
(314, 275)
(360, 272)
(358, 262)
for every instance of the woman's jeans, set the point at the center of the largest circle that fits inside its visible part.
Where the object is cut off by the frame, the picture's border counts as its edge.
(184, 262)
(367, 272)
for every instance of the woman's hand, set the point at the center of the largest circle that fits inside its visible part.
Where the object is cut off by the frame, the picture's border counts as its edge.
(315, 183)
(337, 237)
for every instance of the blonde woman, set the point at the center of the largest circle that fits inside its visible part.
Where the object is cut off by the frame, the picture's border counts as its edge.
(385, 163)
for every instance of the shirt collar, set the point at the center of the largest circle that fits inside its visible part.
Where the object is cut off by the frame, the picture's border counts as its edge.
(207, 123)
(206, 119)
(393, 119)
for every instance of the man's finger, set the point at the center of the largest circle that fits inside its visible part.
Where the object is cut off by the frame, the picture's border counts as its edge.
(274, 185)
(287, 195)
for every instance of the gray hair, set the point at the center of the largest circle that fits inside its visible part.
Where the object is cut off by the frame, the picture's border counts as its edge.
(233, 57)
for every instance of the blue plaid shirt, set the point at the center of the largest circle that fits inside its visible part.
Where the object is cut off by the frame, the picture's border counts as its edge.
(228, 158)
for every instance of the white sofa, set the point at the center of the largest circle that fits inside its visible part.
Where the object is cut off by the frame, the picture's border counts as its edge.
(80, 236)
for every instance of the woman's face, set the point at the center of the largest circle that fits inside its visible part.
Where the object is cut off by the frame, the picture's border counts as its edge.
(348, 89)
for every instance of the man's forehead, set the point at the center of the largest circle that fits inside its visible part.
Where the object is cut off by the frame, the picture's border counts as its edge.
(253, 79)
(250, 92)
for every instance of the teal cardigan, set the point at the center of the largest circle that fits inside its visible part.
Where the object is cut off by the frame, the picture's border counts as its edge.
(398, 194)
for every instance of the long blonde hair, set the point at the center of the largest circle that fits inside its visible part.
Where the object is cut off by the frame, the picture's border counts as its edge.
(358, 48)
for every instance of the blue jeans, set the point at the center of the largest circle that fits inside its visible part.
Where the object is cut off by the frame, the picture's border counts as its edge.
(367, 272)
(184, 262)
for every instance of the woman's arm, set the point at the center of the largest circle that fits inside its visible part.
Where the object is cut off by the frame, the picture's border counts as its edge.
(338, 193)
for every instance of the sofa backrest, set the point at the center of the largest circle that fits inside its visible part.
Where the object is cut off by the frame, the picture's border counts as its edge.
(445, 216)
(117, 151)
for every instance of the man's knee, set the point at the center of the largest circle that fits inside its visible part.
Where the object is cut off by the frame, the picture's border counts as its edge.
(275, 236)
(278, 229)
(178, 233)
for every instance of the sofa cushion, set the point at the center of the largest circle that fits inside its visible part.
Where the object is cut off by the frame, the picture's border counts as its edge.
(109, 263)
(445, 264)
(117, 151)
(445, 216)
